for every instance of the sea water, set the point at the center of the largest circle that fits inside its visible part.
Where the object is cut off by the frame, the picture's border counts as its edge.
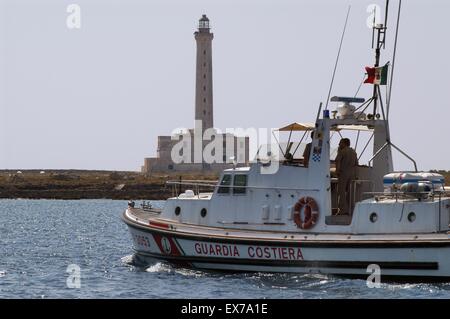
(82, 249)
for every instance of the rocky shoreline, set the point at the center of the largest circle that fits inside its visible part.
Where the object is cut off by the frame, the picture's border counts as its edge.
(75, 184)
(80, 184)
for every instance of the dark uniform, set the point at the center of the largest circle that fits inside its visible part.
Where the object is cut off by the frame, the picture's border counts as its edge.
(307, 151)
(306, 154)
(346, 170)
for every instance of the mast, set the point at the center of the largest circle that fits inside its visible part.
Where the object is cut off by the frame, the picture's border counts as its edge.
(380, 31)
(382, 158)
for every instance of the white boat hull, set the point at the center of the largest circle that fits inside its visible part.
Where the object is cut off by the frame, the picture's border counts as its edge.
(422, 259)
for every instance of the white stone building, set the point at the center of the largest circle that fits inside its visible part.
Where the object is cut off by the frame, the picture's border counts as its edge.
(233, 148)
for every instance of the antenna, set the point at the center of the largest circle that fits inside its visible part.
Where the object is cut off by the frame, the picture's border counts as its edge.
(380, 30)
(386, 15)
(373, 25)
(388, 102)
(337, 58)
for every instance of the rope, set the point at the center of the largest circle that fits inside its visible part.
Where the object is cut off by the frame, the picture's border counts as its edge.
(360, 85)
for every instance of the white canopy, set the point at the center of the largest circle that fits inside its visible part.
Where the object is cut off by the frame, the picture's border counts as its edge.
(297, 127)
(310, 126)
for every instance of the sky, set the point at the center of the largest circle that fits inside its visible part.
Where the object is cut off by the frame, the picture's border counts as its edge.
(97, 97)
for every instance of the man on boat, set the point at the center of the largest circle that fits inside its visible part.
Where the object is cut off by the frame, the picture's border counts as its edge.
(307, 151)
(346, 170)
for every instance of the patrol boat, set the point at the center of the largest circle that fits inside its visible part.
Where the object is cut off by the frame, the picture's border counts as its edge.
(289, 221)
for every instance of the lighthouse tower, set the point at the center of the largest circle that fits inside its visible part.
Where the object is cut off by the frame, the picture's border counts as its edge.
(233, 146)
(204, 85)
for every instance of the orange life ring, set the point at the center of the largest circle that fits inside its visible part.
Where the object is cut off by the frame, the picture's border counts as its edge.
(311, 213)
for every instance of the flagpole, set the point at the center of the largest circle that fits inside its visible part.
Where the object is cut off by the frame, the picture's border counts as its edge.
(376, 65)
(381, 31)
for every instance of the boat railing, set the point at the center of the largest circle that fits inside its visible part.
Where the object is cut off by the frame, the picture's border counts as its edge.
(446, 191)
(198, 186)
(398, 195)
(357, 192)
(146, 205)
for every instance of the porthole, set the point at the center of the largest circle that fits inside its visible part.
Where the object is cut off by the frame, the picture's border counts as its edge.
(411, 217)
(373, 217)
(203, 212)
(177, 210)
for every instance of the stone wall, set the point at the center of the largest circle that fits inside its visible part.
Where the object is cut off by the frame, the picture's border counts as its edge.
(163, 161)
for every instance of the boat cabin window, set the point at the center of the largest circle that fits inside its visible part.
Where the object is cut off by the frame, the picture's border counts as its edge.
(226, 181)
(239, 184)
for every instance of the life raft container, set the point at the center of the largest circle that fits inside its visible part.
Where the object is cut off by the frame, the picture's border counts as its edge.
(311, 213)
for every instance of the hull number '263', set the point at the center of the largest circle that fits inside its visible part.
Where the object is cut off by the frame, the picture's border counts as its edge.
(141, 240)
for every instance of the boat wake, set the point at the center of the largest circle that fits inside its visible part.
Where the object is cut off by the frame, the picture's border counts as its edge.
(291, 281)
(159, 267)
(128, 260)
(304, 285)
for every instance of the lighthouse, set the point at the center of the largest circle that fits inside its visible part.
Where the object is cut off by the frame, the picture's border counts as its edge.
(234, 147)
(204, 83)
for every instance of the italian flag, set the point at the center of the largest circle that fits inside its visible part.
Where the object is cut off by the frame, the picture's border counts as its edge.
(377, 76)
